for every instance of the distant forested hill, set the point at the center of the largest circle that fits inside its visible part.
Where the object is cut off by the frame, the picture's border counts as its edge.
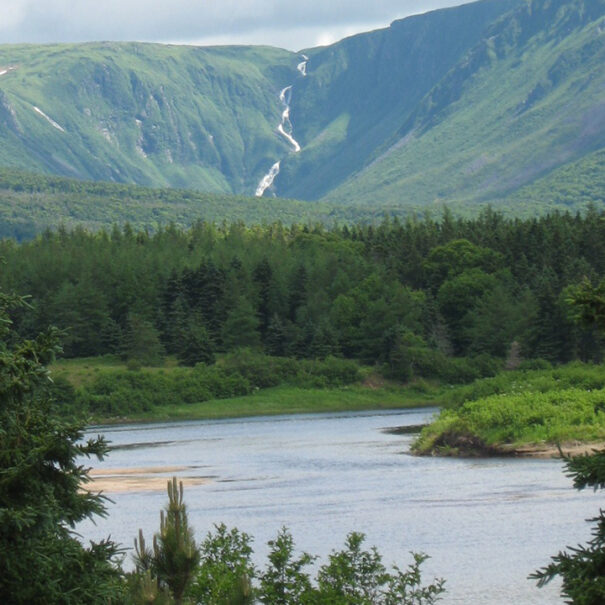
(497, 101)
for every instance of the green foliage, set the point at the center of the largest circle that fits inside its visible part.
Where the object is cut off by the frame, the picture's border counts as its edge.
(537, 377)
(221, 572)
(226, 571)
(458, 256)
(195, 346)
(119, 392)
(408, 362)
(358, 292)
(241, 328)
(284, 581)
(354, 576)
(581, 570)
(551, 417)
(589, 301)
(521, 407)
(41, 476)
(142, 342)
(32, 203)
(175, 556)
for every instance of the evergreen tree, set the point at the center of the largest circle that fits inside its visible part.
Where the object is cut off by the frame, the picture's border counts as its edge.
(298, 291)
(276, 342)
(142, 342)
(582, 570)
(195, 345)
(41, 485)
(174, 556)
(263, 276)
(241, 327)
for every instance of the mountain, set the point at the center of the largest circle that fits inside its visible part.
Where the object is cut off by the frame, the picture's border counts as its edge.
(360, 92)
(499, 101)
(144, 113)
(526, 100)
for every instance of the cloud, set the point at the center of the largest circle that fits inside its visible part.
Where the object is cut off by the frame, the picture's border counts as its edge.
(276, 22)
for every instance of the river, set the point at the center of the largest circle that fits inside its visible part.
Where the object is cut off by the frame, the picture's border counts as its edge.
(485, 523)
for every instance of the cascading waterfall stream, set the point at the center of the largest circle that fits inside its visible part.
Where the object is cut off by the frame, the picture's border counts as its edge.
(285, 129)
(302, 66)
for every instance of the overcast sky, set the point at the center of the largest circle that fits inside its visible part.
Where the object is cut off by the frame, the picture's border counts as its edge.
(283, 23)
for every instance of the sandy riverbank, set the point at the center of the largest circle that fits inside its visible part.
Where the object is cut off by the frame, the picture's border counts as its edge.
(120, 480)
(548, 450)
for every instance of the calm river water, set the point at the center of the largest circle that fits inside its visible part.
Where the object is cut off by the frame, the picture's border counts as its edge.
(485, 523)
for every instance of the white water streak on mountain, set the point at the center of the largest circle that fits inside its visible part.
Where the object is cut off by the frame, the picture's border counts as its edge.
(50, 120)
(285, 129)
(302, 66)
(267, 180)
(6, 70)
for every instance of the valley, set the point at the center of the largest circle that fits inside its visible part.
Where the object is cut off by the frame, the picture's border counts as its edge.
(356, 285)
(465, 106)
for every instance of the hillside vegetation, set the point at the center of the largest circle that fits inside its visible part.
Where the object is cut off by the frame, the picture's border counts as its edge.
(524, 101)
(495, 101)
(144, 113)
(32, 203)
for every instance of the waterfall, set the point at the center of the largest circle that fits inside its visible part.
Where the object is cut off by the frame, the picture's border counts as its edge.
(267, 180)
(285, 129)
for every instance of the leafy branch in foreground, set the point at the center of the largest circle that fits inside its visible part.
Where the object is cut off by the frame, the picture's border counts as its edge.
(222, 572)
(582, 569)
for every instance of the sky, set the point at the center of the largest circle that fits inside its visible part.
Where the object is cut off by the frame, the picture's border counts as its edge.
(282, 23)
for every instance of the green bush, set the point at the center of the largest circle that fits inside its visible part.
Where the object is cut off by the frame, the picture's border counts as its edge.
(521, 417)
(119, 392)
(430, 363)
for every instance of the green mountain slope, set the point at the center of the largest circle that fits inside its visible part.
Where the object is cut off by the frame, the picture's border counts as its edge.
(496, 101)
(360, 92)
(526, 100)
(144, 113)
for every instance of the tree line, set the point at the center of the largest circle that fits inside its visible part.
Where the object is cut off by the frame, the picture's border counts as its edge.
(433, 297)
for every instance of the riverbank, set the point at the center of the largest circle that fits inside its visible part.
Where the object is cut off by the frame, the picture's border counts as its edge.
(284, 400)
(472, 447)
(549, 450)
(522, 413)
(237, 385)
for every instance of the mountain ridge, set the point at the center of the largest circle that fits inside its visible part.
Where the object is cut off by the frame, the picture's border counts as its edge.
(463, 105)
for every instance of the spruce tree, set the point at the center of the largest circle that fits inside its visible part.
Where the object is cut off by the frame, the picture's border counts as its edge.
(42, 484)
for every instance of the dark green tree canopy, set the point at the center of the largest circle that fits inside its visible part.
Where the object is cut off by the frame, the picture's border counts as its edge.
(41, 476)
